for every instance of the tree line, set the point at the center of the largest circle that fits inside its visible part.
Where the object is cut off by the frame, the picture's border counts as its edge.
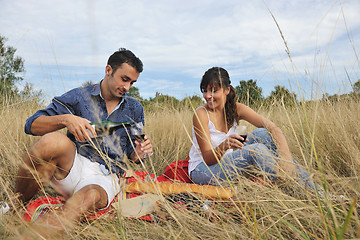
(248, 92)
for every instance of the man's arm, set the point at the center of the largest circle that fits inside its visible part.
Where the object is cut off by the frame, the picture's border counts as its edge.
(61, 112)
(45, 124)
(76, 125)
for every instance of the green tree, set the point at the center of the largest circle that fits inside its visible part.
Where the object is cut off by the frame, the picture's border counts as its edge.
(30, 94)
(282, 95)
(249, 93)
(163, 98)
(134, 92)
(160, 100)
(192, 102)
(356, 87)
(11, 69)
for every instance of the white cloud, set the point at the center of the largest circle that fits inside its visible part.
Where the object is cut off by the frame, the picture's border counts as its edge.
(188, 36)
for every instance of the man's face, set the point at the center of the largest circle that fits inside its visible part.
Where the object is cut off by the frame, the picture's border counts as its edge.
(120, 81)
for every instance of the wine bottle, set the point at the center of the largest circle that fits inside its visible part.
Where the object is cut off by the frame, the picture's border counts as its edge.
(105, 128)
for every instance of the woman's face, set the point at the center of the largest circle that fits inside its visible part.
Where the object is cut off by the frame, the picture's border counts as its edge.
(215, 96)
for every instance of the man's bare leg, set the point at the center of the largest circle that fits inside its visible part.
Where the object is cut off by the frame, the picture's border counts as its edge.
(54, 224)
(52, 155)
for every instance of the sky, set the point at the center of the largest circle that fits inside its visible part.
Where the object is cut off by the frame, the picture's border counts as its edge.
(311, 47)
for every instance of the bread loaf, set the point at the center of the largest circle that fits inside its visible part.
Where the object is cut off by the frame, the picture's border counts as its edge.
(207, 191)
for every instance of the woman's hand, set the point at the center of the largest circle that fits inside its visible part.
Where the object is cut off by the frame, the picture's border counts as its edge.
(233, 141)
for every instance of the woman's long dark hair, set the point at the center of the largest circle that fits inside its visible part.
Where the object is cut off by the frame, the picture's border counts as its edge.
(217, 76)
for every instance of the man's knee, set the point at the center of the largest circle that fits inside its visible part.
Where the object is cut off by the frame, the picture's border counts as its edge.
(54, 141)
(94, 196)
(52, 145)
(87, 199)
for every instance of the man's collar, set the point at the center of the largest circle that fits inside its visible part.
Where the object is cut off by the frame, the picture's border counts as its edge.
(96, 91)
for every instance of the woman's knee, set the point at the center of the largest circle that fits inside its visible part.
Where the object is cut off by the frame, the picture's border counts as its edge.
(260, 133)
(255, 148)
(258, 153)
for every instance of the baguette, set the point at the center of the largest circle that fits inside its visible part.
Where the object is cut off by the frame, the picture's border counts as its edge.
(212, 192)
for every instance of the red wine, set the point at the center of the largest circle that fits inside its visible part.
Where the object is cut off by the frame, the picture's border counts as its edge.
(244, 136)
(140, 137)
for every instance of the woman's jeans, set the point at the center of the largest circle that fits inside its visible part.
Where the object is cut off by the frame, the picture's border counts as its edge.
(259, 152)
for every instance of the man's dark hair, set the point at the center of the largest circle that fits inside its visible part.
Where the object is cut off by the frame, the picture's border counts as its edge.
(125, 56)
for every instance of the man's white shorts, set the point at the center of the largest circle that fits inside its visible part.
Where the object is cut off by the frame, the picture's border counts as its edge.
(83, 173)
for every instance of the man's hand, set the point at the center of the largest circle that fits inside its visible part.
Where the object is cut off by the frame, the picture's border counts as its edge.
(79, 127)
(142, 149)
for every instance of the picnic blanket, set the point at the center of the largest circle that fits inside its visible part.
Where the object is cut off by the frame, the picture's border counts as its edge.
(139, 195)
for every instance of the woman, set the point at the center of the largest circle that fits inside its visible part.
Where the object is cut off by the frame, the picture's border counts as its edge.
(218, 153)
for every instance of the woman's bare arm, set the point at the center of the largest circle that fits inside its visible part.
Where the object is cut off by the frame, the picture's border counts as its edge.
(277, 135)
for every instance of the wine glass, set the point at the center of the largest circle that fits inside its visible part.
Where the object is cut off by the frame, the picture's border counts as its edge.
(243, 132)
(137, 129)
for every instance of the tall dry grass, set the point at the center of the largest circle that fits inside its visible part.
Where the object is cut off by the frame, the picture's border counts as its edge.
(323, 137)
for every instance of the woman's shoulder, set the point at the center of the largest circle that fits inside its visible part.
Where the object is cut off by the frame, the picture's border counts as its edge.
(240, 107)
(247, 113)
(201, 113)
(200, 109)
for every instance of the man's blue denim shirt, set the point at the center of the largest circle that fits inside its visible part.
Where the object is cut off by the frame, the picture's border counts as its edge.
(87, 102)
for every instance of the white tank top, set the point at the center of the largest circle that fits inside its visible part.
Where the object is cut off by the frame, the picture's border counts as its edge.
(216, 137)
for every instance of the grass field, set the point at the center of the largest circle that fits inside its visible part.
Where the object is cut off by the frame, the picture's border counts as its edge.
(323, 137)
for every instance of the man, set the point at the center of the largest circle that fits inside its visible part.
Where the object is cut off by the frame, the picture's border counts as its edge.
(83, 169)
